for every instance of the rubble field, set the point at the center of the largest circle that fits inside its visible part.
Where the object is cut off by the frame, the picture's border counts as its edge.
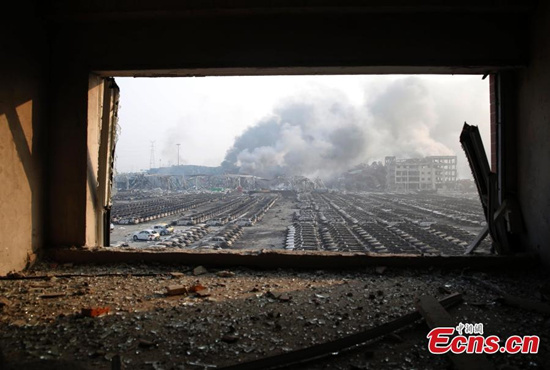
(194, 317)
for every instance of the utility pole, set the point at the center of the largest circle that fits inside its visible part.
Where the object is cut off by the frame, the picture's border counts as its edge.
(152, 159)
(178, 154)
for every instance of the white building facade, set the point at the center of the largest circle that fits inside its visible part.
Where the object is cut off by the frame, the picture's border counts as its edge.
(414, 174)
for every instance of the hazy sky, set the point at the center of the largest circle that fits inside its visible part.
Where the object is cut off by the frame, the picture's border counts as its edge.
(391, 114)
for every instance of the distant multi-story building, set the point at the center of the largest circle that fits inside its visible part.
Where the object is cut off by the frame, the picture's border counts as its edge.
(428, 173)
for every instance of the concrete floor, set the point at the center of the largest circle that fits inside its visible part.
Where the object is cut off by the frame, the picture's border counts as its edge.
(246, 315)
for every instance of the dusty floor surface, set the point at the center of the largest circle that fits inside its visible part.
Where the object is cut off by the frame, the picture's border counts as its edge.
(249, 315)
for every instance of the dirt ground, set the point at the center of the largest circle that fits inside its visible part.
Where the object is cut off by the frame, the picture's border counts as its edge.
(246, 314)
(270, 232)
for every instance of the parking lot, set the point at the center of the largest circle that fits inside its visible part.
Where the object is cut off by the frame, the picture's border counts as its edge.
(214, 222)
(421, 224)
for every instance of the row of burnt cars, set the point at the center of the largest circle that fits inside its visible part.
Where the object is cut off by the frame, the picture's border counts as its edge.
(244, 210)
(348, 222)
(133, 212)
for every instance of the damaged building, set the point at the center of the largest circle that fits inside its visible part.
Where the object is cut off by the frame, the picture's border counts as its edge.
(429, 173)
(68, 302)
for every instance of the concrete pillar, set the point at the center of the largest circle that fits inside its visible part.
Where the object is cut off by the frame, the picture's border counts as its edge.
(68, 158)
(94, 208)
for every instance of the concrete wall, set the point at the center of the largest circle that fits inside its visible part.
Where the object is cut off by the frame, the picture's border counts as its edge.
(534, 137)
(462, 41)
(23, 83)
(246, 42)
(100, 40)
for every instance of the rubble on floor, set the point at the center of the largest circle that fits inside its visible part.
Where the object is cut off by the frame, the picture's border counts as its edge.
(72, 316)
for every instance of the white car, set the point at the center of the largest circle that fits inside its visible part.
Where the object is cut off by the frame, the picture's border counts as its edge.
(146, 235)
(163, 229)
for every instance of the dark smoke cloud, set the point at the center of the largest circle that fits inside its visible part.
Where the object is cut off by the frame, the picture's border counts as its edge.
(304, 136)
(326, 135)
(264, 134)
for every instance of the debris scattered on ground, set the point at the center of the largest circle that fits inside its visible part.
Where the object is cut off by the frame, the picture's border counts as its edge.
(443, 289)
(269, 312)
(52, 295)
(225, 273)
(200, 270)
(334, 347)
(197, 288)
(395, 338)
(523, 303)
(144, 343)
(177, 290)
(4, 302)
(526, 304)
(283, 297)
(230, 338)
(116, 363)
(95, 312)
(436, 316)
(203, 293)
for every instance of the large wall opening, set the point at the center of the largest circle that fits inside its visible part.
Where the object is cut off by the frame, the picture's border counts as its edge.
(339, 163)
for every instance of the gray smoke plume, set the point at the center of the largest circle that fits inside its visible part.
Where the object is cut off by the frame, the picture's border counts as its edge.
(312, 137)
(403, 118)
(326, 135)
